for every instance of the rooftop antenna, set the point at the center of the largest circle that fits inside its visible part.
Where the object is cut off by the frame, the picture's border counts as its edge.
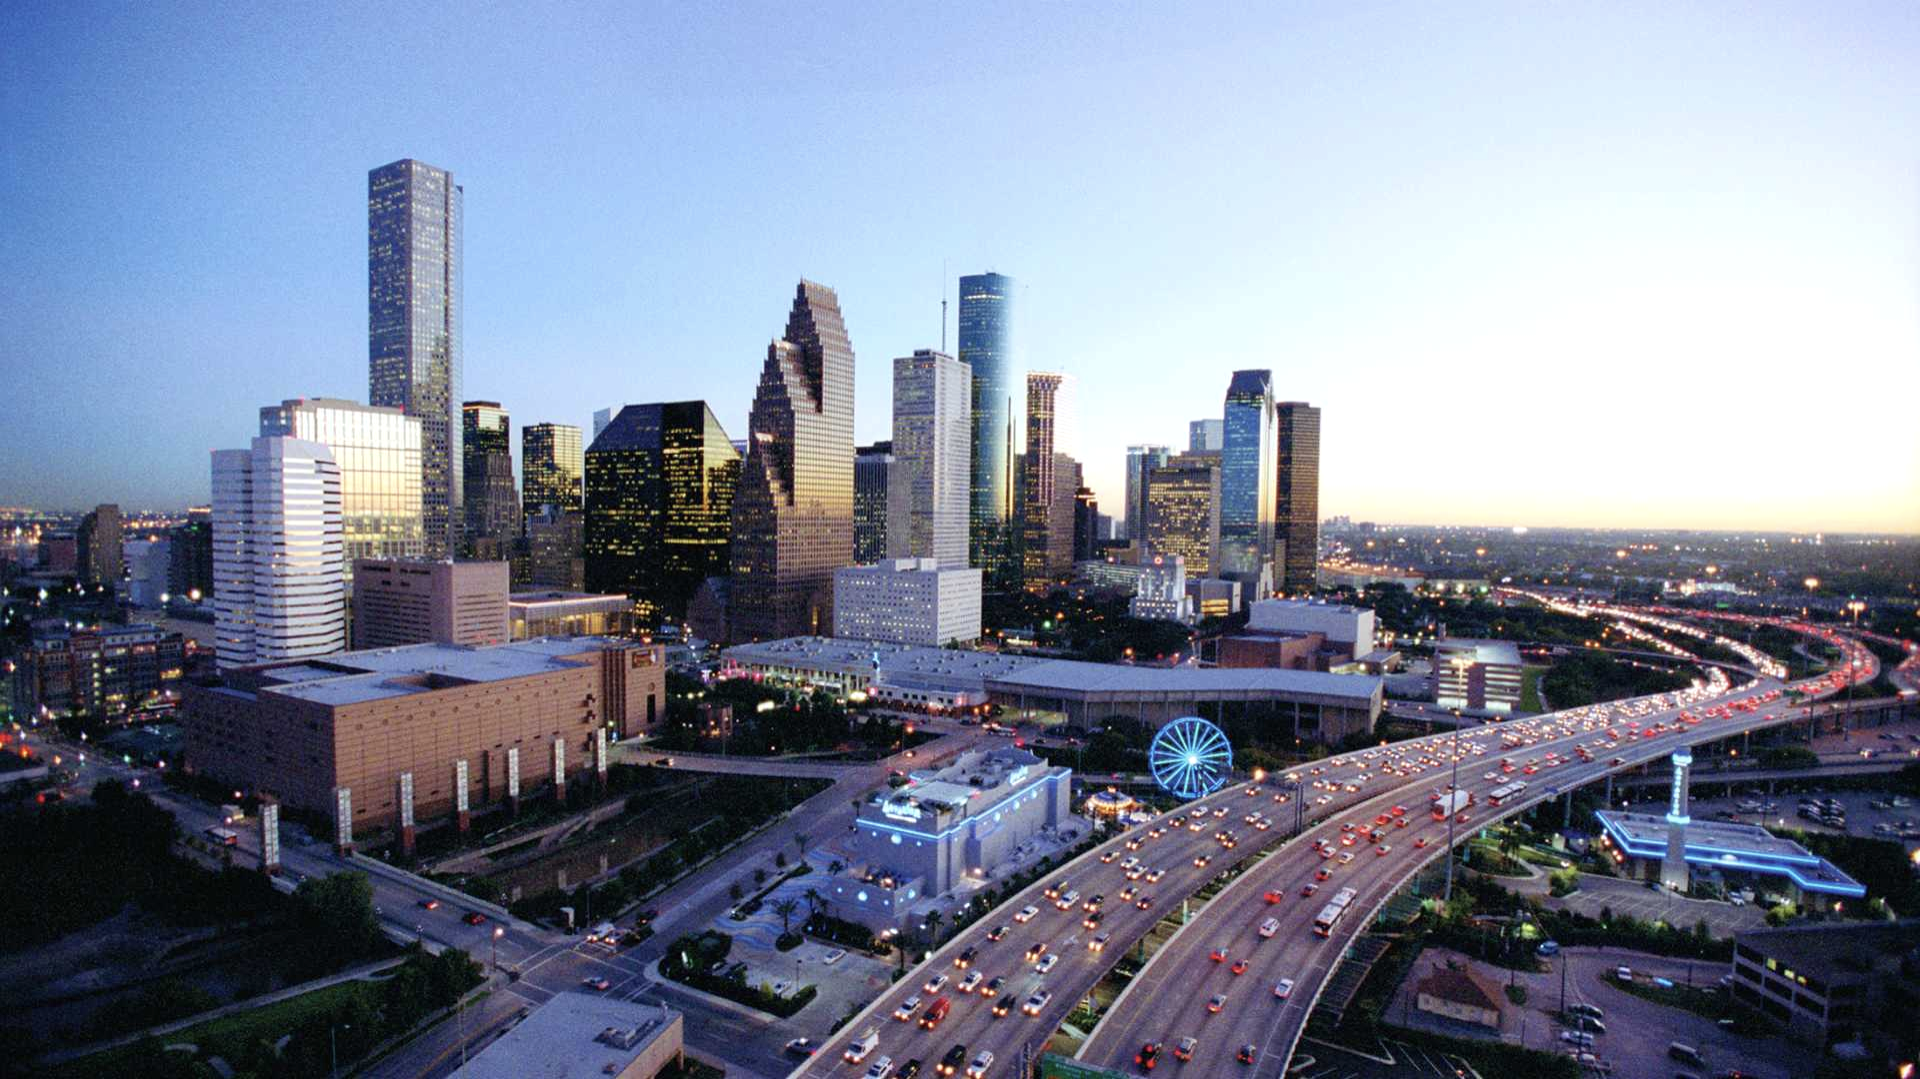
(943, 305)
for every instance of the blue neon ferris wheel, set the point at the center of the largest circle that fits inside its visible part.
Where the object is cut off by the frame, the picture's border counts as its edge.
(1190, 758)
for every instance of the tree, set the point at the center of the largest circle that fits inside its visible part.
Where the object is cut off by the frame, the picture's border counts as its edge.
(933, 926)
(785, 908)
(800, 841)
(336, 917)
(815, 901)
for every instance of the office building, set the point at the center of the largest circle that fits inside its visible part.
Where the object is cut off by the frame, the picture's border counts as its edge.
(1482, 676)
(147, 563)
(929, 499)
(793, 512)
(1247, 456)
(384, 738)
(580, 1034)
(567, 614)
(602, 417)
(1832, 982)
(872, 482)
(1204, 436)
(190, 556)
(108, 672)
(986, 346)
(556, 550)
(552, 467)
(1141, 461)
(101, 561)
(1183, 512)
(1087, 530)
(1213, 597)
(1161, 592)
(1046, 549)
(907, 601)
(59, 552)
(279, 569)
(377, 450)
(492, 504)
(1297, 488)
(414, 348)
(949, 825)
(661, 482)
(396, 603)
(1345, 632)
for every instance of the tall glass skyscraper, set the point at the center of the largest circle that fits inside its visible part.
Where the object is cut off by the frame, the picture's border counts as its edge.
(927, 502)
(492, 504)
(873, 467)
(551, 467)
(1050, 479)
(1141, 460)
(1247, 455)
(986, 347)
(376, 452)
(413, 328)
(1297, 516)
(793, 514)
(660, 488)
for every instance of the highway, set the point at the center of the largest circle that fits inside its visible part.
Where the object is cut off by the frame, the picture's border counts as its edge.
(1169, 1000)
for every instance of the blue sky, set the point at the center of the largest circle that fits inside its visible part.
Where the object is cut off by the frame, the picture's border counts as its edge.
(1634, 264)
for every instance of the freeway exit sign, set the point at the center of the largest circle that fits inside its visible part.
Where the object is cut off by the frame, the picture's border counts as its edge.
(1054, 1066)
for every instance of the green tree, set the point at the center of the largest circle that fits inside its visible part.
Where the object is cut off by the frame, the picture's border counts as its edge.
(785, 908)
(336, 917)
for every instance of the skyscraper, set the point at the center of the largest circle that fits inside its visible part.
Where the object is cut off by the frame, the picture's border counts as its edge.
(660, 491)
(492, 504)
(1203, 435)
(1045, 551)
(1247, 455)
(928, 502)
(1086, 525)
(1297, 516)
(1183, 511)
(413, 328)
(101, 561)
(872, 485)
(190, 557)
(986, 347)
(279, 575)
(1140, 461)
(552, 465)
(793, 515)
(376, 453)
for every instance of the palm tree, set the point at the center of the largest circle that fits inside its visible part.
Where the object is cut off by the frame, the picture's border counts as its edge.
(785, 908)
(800, 841)
(814, 900)
(933, 927)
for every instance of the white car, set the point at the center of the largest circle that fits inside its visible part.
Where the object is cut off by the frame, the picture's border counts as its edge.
(1046, 963)
(1026, 913)
(880, 1068)
(935, 983)
(971, 982)
(907, 1007)
(1283, 988)
(1036, 1002)
(1067, 900)
(1269, 927)
(1346, 858)
(978, 1069)
(858, 1049)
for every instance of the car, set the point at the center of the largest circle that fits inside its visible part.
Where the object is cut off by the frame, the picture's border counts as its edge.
(1067, 900)
(1248, 1053)
(860, 1047)
(907, 1007)
(1462, 817)
(971, 982)
(1137, 872)
(1183, 1050)
(1421, 842)
(1273, 895)
(1053, 890)
(474, 917)
(1200, 861)
(1322, 873)
(1307, 890)
(1035, 1002)
(1130, 863)
(1283, 988)
(801, 1047)
(1038, 949)
(1092, 906)
(1091, 921)
(880, 1068)
(952, 1062)
(1215, 1003)
(1127, 893)
(1154, 876)
(978, 1069)
(997, 932)
(1268, 928)
(1026, 913)
(1148, 1056)
(1625, 974)
(965, 959)
(1327, 853)
(1346, 858)
(935, 983)
(1547, 948)
(599, 984)
(1108, 856)
(908, 1070)
(1046, 963)
(1239, 966)
(1002, 1006)
(430, 904)
(1099, 942)
(992, 988)
(1383, 850)
(1143, 902)
(1218, 954)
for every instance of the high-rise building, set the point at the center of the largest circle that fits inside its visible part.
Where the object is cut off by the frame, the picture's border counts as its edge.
(1203, 435)
(101, 561)
(409, 602)
(190, 556)
(660, 493)
(279, 575)
(1183, 511)
(1297, 515)
(1046, 550)
(1140, 461)
(552, 466)
(1086, 525)
(1247, 455)
(377, 451)
(492, 504)
(907, 601)
(602, 417)
(793, 514)
(928, 501)
(872, 481)
(414, 306)
(986, 347)
(556, 545)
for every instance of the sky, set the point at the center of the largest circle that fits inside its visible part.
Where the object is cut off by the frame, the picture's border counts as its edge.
(1637, 265)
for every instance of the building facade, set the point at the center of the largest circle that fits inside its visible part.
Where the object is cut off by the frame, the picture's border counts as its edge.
(1348, 630)
(409, 602)
(567, 614)
(382, 509)
(1183, 512)
(661, 483)
(1297, 488)
(1046, 550)
(793, 512)
(190, 556)
(1141, 461)
(1247, 456)
(1161, 591)
(1087, 531)
(414, 308)
(1479, 675)
(872, 485)
(101, 560)
(986, 337)
(1204, 436)
(279, 564)
(492, 504)
(553, 467)
(907, 601)
(928, 503)
(556, 549)
(106, 673)
(1833, 982)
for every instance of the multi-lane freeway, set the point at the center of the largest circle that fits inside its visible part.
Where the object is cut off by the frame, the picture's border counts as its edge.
(1173, 997)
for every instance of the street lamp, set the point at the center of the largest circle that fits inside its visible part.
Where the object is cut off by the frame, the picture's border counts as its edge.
(333, 1047)
(498, 932)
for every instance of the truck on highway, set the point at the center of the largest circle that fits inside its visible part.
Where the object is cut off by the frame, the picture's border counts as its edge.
(1450, 804)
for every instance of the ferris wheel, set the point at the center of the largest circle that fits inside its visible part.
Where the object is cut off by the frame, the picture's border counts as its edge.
(1190, 758)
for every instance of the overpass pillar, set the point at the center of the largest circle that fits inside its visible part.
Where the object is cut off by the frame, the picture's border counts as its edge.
(1673, 867)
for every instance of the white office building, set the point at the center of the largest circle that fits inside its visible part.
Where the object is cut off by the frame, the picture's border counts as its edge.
(1481, 676)
(906, 601)
(1346, 628)
(279, 568)
(928, 490)
(1161, 591)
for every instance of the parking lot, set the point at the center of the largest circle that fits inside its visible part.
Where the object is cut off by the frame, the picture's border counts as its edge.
(1633, 898)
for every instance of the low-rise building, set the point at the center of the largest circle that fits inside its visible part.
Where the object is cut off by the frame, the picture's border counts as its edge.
(1347, 630)
(567, 614)
(406, 601)
(1830, 982)
(1483, 676)
(105, 672)
(1459, 994)
(585, 1036)
(906, 601)
(1728, 854)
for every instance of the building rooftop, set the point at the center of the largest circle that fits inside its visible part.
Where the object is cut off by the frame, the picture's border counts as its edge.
(1459, 987)
(1081, 677)
(1502, 652)
(1727, 845)
(572, 1036)
(1835, 952)
(524, 599)
(379, 673)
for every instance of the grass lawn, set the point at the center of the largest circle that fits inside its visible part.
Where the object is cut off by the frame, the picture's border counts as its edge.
(1530, 688)
(1713, 1002)
(225, 1035)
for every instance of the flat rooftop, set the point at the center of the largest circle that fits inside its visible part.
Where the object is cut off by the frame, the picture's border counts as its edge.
(1073, 676)
(528, 599)
(1835, 952)
(1727, 845)
(1503, 652)
(561, 1039)
(379, 673)
(849, 656)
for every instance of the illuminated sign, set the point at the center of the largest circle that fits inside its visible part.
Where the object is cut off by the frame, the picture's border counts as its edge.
(1017, 777)
(901, 811)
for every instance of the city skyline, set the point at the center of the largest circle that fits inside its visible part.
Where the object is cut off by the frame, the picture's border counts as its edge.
(1653, 229)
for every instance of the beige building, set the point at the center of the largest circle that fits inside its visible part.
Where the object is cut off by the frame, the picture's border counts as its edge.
(567, 614)
(397, 602)
(381, 739)
(1461, 995)
(584, 1035)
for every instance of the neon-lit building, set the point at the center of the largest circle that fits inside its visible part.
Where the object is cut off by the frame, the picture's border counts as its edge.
(1728, 854)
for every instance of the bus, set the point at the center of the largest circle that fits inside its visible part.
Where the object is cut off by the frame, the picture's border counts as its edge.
(1500, 794)
(226, 837)
(1331, 914)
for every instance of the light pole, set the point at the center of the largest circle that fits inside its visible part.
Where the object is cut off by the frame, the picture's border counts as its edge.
(498, 932)
(333, 1047)
(1453, 811)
